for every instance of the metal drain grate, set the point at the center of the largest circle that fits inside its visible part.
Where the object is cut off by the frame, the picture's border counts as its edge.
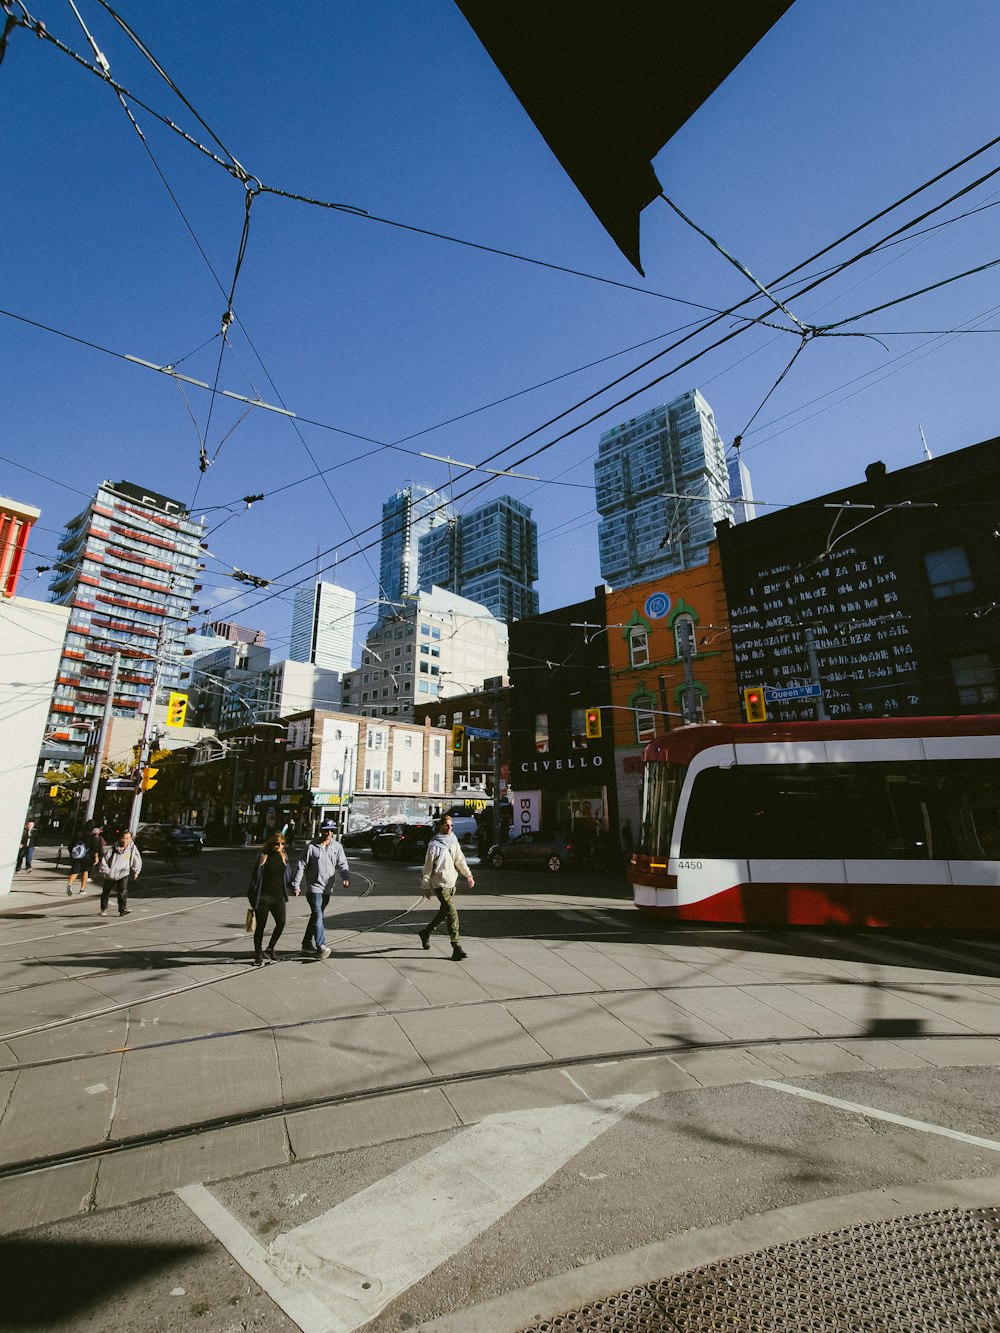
(923, 1274)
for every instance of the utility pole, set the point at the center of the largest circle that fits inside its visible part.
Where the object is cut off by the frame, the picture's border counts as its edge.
(686, 637)
(102, 738)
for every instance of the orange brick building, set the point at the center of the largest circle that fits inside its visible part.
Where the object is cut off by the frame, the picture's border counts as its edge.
(648, 624)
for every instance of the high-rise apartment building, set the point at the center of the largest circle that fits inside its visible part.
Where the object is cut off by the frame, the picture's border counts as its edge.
(489, 555)
(438, 645)
(323, 626)
(662, 486)
(127, 570)
(406, 516)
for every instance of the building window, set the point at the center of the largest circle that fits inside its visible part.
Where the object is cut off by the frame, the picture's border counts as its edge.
(578, 728)
(975, 679)
(948, 571)
(645, 719)
(684, 637)
(542, 733)
(638, 647)
(437, 747)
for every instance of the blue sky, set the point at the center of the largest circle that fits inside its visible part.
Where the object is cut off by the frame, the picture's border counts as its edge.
(383, 335)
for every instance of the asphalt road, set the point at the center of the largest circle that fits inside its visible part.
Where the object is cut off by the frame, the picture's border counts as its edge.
(401, 1141)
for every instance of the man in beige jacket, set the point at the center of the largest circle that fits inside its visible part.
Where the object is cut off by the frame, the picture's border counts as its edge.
(443, 864)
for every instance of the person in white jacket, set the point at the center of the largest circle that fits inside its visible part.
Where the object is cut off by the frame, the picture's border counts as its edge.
(443, 864)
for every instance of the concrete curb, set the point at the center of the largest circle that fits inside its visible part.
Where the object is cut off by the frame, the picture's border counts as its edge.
(705, 1245)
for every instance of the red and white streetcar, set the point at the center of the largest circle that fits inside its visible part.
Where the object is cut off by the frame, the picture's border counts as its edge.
(881, 822)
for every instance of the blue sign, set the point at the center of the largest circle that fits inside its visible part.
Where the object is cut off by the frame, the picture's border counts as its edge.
(774, 694)
(657, 605)
(484, 732)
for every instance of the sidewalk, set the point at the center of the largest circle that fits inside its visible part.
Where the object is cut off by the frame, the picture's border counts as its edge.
(45, 885)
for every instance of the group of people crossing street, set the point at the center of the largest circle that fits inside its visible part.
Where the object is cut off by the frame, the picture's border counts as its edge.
(274, 880)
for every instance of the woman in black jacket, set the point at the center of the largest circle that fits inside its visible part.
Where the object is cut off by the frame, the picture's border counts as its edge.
(268, 892)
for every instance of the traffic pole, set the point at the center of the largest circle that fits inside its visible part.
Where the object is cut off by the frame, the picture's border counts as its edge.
(102, 738)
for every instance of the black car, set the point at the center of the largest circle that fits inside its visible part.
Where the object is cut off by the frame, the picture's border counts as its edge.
(402, 842)
(549, 851)
(167, 839)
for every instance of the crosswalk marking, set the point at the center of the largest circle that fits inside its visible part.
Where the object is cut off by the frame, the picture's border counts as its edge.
(335, 1273)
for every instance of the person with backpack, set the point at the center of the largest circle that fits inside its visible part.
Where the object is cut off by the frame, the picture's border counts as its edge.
(120, 866)
(84, 853)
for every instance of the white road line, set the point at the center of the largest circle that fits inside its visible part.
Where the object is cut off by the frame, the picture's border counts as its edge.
(335, 1273)
(874, 1114)
(311, 1315)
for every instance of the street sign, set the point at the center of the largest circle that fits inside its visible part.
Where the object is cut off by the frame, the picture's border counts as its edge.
(485, 733)
(119, 784)
(775, 694)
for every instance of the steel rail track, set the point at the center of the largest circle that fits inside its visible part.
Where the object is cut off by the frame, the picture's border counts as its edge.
(155, 1138)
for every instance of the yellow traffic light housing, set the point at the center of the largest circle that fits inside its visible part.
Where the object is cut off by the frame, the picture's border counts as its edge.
(593, 724)
(177, 706)
(753, 704)
(149, 778)
(458, 740)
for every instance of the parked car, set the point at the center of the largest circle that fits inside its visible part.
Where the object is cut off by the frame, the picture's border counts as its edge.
(402, 842)
(548, 851)
(179, 839)
(465, 829)
(361, 837)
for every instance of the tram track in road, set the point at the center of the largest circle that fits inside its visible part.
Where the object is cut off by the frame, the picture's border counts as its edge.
(177, 1133)
(484, 1002)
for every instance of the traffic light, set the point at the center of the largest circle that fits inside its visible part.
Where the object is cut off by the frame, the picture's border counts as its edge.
(53, 792)
(458, 740)
(177, 706)
(149, 778)
(753, 704)
(593, 724)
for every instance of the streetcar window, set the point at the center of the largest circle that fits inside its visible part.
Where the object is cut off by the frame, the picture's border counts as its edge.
(911, 811)
(659, 806)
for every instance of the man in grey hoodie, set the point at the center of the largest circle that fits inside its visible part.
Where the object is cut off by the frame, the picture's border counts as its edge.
(443, 864)
(324, 859)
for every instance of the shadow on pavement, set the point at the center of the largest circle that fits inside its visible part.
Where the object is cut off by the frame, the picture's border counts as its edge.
(48, 1282)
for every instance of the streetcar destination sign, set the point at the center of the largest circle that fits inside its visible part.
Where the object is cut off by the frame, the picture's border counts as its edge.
(775, 694)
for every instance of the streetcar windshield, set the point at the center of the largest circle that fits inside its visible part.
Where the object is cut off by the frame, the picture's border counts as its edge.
(661, 793)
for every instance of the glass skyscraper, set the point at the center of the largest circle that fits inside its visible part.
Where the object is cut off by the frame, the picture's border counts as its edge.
(662, 485)
(489, 555)
(406, 516)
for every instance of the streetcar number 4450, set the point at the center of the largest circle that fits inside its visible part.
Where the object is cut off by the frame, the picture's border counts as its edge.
(688, 865)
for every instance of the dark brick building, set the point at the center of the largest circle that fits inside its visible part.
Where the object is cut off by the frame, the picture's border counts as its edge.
(891, 586)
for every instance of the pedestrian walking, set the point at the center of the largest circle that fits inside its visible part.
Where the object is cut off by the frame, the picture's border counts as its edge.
(443, 864)
(324, 858)
(268, 893)
(120, 866)
(26, 849)
(85, 853)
